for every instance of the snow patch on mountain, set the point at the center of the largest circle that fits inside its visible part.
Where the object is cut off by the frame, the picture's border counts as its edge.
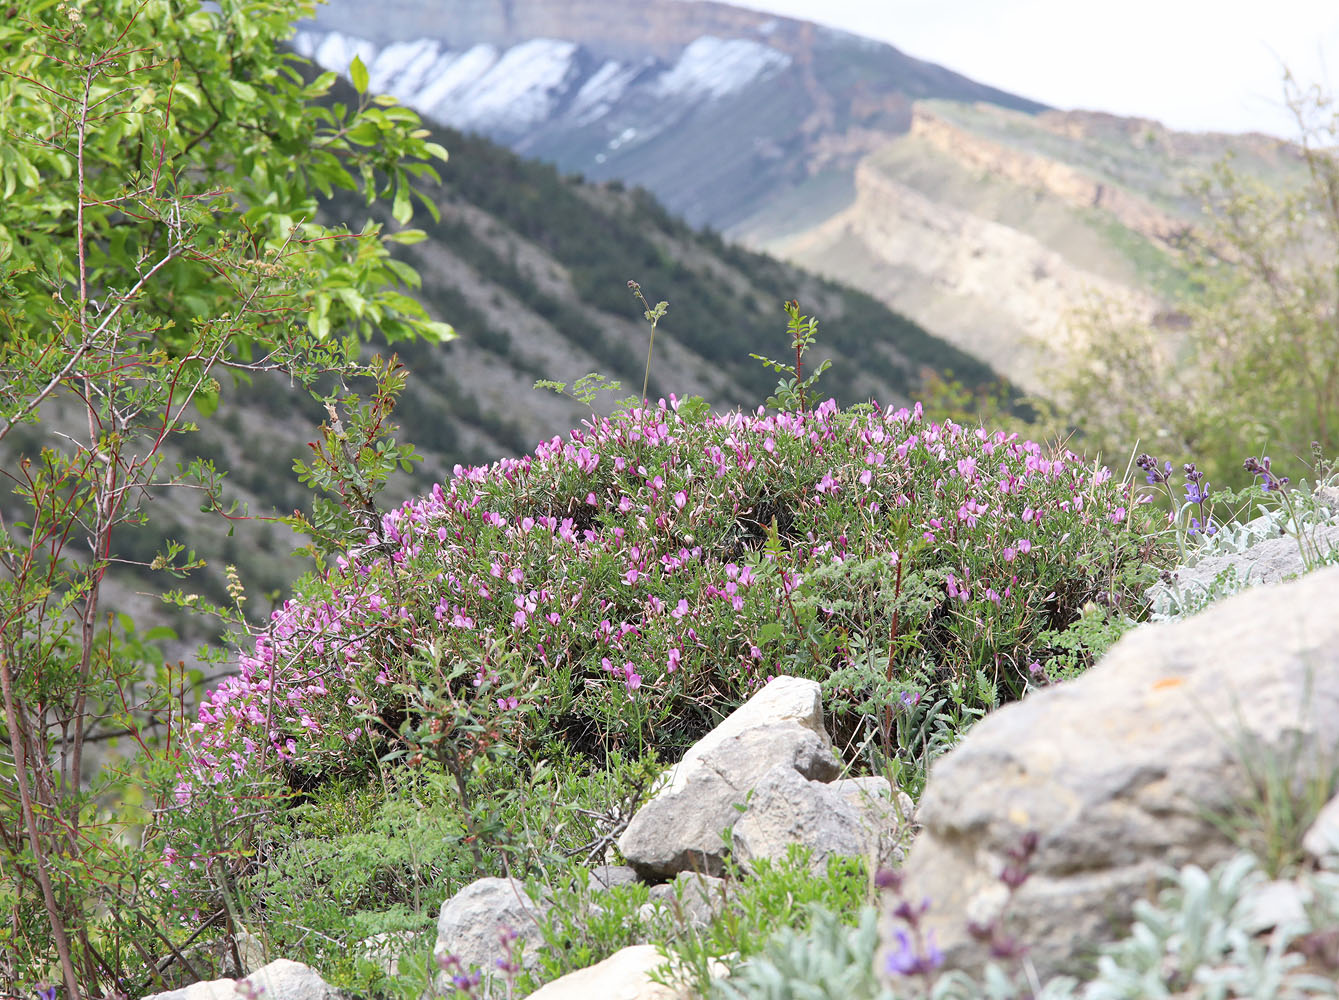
(519, 90)
(512, 90)
(452, 75)
(603, 89)
(717, 67)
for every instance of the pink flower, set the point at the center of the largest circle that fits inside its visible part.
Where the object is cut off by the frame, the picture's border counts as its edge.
(1024, 546)
(675, 657)
(680, 498)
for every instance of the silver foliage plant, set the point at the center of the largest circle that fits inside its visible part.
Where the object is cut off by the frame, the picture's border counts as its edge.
(1298, 514)
(1201, 939)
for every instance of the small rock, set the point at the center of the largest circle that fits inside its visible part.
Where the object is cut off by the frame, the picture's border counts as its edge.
(695, 900)
(680, 828)
(280, 980)
(471, 924)
(607, 876)
(625, 975)
(386, 948)
(1271, 904)
(1322, 837)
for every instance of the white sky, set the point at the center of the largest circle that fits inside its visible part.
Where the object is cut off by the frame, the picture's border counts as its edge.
(1198, 65)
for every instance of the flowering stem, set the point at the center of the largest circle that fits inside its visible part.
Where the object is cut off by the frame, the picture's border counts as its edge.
(888, 673)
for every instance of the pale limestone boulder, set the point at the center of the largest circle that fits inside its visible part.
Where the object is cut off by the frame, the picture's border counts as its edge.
(280, 980)
(1114, 769)
(1322, 837)
(215, 955)
(625, 975)
(853, 818)
(680, 828)
(470, 925)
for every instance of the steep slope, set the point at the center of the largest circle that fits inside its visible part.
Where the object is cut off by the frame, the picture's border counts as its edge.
(983, 216)
(532, 269)
(713, 108)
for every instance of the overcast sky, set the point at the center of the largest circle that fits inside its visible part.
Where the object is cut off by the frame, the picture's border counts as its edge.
(1199, 65)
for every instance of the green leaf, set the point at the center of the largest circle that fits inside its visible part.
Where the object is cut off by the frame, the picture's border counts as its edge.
(321, 85)
(402, 211)
(350, 297)
(206, 401)
(408, 236)
(243, 90)
(365, 133)
(358, 75)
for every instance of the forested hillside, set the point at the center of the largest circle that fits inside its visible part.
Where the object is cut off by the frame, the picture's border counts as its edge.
(532, 270)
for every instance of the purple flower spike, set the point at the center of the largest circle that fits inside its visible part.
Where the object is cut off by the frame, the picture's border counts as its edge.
(888, 878)
(901, 960)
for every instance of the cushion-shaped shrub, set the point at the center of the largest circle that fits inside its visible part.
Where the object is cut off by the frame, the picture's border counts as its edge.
(628, 585)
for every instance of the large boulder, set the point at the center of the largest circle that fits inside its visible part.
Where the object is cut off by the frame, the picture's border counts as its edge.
(1116, 770)
(473, 924)
(857, 817)
(680, 828)
(280, 980)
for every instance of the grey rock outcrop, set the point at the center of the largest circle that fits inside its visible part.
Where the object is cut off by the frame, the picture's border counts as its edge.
(471, 925)
(1115, 770)
(680, 828)
(853, 818)
(280, 980)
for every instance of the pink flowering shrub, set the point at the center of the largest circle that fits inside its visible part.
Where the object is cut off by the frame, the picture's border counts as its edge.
(628, 585)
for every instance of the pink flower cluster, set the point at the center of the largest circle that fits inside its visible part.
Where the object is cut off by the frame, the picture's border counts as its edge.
(630, 554)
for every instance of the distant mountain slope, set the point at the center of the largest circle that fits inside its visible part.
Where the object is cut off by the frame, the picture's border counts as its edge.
(985, 217)
(713, 108)
(532, 269)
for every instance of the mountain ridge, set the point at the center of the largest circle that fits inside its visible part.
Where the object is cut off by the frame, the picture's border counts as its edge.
(769, 130)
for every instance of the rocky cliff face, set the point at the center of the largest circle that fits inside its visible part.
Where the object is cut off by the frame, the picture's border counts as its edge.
(713, 108)
(984, 216)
